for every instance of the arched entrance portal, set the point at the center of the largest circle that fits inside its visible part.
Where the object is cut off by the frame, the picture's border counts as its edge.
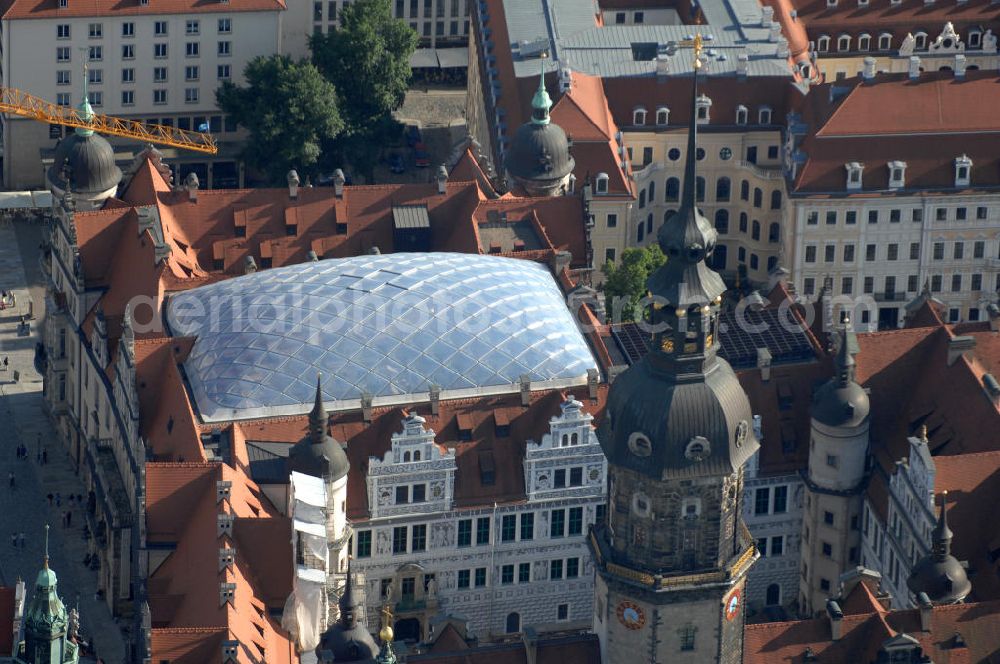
(408, 629)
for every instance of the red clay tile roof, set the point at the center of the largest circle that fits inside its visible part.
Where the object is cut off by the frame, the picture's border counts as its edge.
(33, 9)
(189, 645)
(925, 123)
(576, 649)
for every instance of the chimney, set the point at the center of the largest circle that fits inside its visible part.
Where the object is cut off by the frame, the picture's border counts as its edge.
(191, 184)
(561, 261)
(366, 407)
(869, 68)
(442, 179)
(766, 16)
(226, 558)
(435, 397)
(338, 183)
(926, 611)
(836, 619)
(593, 380)
(914, 67)
(958, 346)
(994, 313)
(742, 63)
(775, 33)
(565, 79)
(662, 64)
(525, 390)
(293, 184)
(223, 490)
(764, 364)
(249, 265)
(960, 65)
(230, 652)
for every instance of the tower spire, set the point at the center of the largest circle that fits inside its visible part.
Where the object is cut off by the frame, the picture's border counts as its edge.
(844, 359)
(318, 416)
(541, 102)
(941, 536)
(45, 560)
(85, 110)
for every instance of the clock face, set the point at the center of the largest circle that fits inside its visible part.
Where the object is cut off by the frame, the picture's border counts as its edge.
(733, 605)
(631, 615)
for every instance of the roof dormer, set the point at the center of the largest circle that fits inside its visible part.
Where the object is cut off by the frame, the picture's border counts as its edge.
(854, 173)
(662, 116)
(639, 116)
(897, 174)
(741, 114)
(703, 105)
(963, 171)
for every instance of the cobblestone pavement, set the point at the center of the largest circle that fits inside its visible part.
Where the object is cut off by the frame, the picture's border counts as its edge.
(26, 507)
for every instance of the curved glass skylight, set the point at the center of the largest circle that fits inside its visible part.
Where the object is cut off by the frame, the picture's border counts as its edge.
(387, 325)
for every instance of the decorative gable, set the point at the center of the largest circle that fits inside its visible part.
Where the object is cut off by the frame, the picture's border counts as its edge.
(568, 460)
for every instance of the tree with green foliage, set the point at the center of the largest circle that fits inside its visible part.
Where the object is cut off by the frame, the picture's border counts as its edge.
(290, 110)
(625, 281)
(368, 61)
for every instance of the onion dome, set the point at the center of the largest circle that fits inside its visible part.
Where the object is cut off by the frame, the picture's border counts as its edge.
(539, 157)
(347, 640)
(318, 454)
(84, 162)
(841, 402)
(939, 574)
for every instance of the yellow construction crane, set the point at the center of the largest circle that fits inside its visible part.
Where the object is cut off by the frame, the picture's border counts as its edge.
(21, 103)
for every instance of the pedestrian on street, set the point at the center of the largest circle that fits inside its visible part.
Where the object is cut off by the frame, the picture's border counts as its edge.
(58, 500)
(69, 518)
(50, 499)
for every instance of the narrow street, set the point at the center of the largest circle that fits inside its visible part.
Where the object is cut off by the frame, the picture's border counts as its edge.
(26, 508)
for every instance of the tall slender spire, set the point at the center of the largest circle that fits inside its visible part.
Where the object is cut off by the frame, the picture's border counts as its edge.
(942, 535)
(844, 359)
(541, 102)
(348, 603)
(317, 416)
(85, 110)
(45, 560)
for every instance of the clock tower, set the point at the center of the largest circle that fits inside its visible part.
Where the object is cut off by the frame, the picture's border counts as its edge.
(673, 556)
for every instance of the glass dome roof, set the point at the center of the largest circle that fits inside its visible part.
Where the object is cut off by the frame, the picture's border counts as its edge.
(388, 325)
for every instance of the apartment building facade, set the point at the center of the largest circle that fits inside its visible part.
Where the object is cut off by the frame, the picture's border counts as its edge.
(140, 62)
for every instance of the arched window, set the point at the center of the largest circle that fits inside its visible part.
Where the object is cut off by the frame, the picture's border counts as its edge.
(764, 115)
(662, 115)
(865, 42)
(741, 115)
(513, 623)
(639, 116)
(844, 43)
(756, 230)
(673, 189)
(743, 222)
(920, 40)
(744, 191)
(722, 187)
(416, 455)
(406, 457)
(885, 42)
(642, 198)
(565, 440)
(776, 199)
(700, 188)
(652, 191)
(602, 183)
(640, 234)
(722, 221)
(823, 44)
(649, 226)
(758, 197)
(574, 439)
(975, 38)
(774, 232)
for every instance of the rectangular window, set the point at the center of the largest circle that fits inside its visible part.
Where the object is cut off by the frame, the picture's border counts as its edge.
(811, 219)
(982, 213)
(959, 251)
(95, 53)
(893, 251)
(847, 285)
(555, 569)
(762, 500)
(225, 26)
(191, 73)
(562, 612)
(192, 49)
(848, 253)
(128, 97)
(762, 546)
(402, 495)
(527, 526)
(936, 283)
(63, 77)
(872, 216)
(63, 54)
(159, 74)
(364, 539)
(870, 252)
(63, 99)
(128, 29)
(828, 253)
(911, 283)
(808, 285)
(483, 530)
(938, 251)
(824, 584)
(224, 49)
(223, 72)
(62, 31)
(419, 493)
(831, 460)
(159, 96)
(780, 499)
(160, 28)
(480, 577)
(575, 520)
(831, 218)
(961, 214)
(128, 51)
(506, 575)
(128, 75)
(918, 215)
(956, 283)
(159, 51)
(612, 221)
(914, 251)
(576, 476)
(399, 540)
(508, 528)
(851, 217)
(192, 27)
(977, 284)
(827, 550)
(811, 253)
(95, 30)
(465, 532)
(978, 249)
(524, 573)
(828, 518)
(463, 578)
(559, 477)
(941, 214)
(572, 568)
(419, 537)
(777, 545)
(558, 525)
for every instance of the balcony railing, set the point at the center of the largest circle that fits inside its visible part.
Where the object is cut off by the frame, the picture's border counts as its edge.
(761, 172)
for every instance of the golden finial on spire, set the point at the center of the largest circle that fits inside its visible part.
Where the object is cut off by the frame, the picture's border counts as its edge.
(697, 51)
(45, 561)
(386, 633)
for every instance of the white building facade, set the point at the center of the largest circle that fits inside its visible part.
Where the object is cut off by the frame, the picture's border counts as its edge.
(500, 567)
(140, 64)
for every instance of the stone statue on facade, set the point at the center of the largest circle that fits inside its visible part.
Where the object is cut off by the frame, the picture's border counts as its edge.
(909, 43)
(989, 42)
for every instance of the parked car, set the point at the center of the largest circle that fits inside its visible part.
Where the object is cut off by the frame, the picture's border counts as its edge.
(413, 135)
(396, 164)
(420, 156)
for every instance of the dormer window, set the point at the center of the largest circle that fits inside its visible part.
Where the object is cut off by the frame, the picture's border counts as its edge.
(63, 4)
(854, 170)
(844, 43)
(975, 38)
(831, 3)
(897, 174)
(864, 42)
(823, 44)
(920, 41)
(862, 3)
(885, 39)
(963, 171)
(703, 104)
(662, 116)
(601, 184)
(639, 116)
(741, 115)
(764, 115)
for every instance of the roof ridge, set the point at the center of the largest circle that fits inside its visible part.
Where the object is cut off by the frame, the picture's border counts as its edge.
(964, 455)
(183, 464)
